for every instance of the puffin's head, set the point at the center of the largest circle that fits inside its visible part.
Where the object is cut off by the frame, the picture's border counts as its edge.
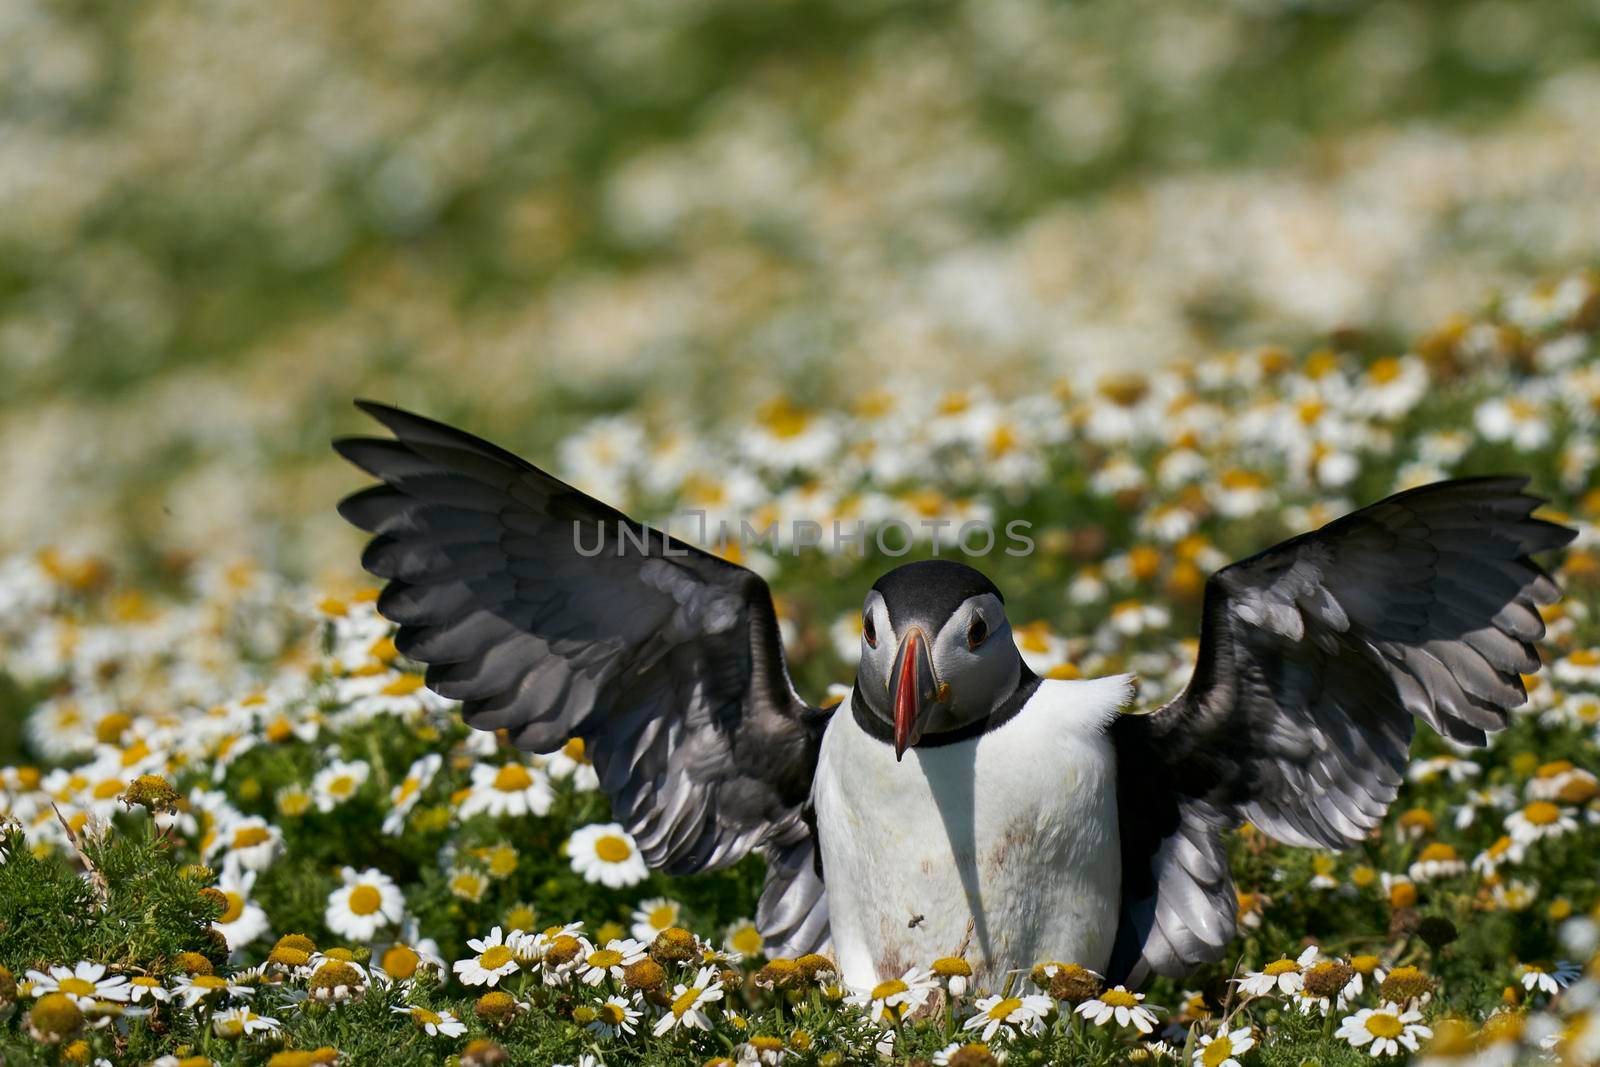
(936, 650)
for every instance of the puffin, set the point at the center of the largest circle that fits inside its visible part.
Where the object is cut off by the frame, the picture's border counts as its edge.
(955, 802)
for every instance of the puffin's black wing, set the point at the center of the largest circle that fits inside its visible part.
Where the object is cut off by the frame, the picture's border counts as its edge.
(1314, 657)
(531, 605)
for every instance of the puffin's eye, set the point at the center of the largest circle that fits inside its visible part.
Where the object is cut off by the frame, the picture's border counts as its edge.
(869, 631)
(977, 633)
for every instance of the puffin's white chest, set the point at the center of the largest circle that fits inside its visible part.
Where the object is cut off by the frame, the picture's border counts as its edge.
(1012, 834)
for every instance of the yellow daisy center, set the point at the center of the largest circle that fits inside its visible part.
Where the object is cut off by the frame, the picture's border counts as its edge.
(401, 961)
(663, 916)
(467, 884)
(342, 786)
(1119, 998)
(112, 727)
(235, 908)
(1034, 636)
(612, 848)
(1219, 1049)
(108, 789)
(1541, 813)
(77, 987)
(250, 836)
(494, 957)
(782, 418)
(403, 686)
(610, 1014)
(605, 958)
(685, 1001)
(1382, 1024)
(1384, 370)
(885, 990)
(746, 940)
(1004, 1009)
(364, 900)
(426, 1017)
(209, 981)
(1284, 966)
(513, 778)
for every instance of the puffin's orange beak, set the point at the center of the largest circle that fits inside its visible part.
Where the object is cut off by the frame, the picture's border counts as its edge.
(914, 689)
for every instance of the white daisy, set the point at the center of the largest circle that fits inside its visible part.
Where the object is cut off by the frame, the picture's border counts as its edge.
(1385, 1029)
(1456, 768)
(614, 1016)
(594, 964)
(605, 853)
(510, 789)
(571, 761)
(433, 1023)
(338, 782)
(1504, 850)
(192, 989)
(653, 916)
(404, 796)
(85, 983)
(1513, 419)
(688, 1008)
(1223, 1048)
(895, 997)
(468, 883)
(1283, 976)
(1537, 820)
(243, 920)
(250, 842)
(1120, 1004)
(1437, 860)
(1515, 895)
(1008, 1015)
(142, 986)
(242, 1022)
(367, 902)
(1560, 780)
(494, 960)
(955, 972)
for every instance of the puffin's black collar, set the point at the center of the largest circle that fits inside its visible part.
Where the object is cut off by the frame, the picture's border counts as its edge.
(875, 727)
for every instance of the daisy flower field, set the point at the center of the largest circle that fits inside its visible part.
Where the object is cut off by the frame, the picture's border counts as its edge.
(239, 829)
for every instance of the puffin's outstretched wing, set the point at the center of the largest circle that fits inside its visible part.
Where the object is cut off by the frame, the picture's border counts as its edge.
(1314, 656)
(531, 605)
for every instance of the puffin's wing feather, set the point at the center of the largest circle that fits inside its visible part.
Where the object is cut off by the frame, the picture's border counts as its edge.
(545, 617)
(1314, 658)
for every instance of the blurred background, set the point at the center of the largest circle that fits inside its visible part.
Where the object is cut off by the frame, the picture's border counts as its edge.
(221, 220)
